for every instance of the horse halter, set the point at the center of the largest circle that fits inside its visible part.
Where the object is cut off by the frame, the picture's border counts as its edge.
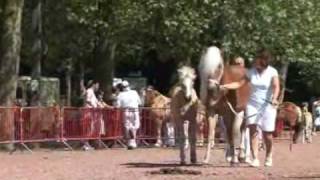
(213, 84)
(187, 91)
(213, 91)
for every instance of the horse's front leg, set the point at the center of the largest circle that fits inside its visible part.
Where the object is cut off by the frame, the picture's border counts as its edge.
(186, 133)
(182, 138)
(212, 121)
(200, 134)
(170, 134)
(159, 127)
(244, 145)
(233, 123)
(193, 140)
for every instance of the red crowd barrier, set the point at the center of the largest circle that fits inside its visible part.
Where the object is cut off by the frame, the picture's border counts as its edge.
(9, 125)
(113, 124)
(147, 128)
(81, 123)
(91, 123)
(42, 124)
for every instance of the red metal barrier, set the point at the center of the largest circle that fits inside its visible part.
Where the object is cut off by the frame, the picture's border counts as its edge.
(113, 124)
(147, 126)
(40, 124)
(9, 125)
(81, 123)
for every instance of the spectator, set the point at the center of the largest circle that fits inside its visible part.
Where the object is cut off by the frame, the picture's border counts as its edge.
(307, 123)
(129, 100)
(317, 115)
(91, 101)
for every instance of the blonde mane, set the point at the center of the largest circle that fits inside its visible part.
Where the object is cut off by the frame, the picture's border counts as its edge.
(210, 61)
(186, 72)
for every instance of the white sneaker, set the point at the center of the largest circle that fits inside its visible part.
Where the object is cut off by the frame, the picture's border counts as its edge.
(268, 162)
(87, 148)
(134, 144)
(255, 163)
(248, 160)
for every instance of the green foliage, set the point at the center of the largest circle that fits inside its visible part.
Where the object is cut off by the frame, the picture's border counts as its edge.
(179, 29)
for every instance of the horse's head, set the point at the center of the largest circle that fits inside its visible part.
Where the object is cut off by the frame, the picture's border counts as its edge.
(211, 70)
(186, 80)
(148, 95)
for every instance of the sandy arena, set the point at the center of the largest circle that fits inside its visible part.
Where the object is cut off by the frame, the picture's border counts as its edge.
(151, 163)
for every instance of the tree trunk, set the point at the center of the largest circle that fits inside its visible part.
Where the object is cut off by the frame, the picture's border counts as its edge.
(9, 64)
(68, 82)
(69, 70)
(37, 49)
(105, 66)
(82, 86)
(10, 48)
(283, 78)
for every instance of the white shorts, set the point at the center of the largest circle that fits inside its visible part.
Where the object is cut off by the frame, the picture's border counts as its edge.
(264, 116)
(131, 119)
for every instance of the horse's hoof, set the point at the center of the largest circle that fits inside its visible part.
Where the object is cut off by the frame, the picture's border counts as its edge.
(242, 159)
(228, 159)
(194, 161)
(234, 164)
(200, 144)
(205, 161)
(183, 163)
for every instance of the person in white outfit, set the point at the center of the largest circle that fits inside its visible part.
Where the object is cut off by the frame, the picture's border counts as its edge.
(91, 101)
(262, 106)
(129, 100)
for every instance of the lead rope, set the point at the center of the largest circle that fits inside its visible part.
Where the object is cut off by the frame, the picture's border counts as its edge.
(291, 139)
(236, 114)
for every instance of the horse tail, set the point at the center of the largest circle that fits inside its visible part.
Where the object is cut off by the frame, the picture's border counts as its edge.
(211, 60)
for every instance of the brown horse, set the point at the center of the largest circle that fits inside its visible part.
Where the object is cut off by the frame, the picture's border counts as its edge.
(289, 114)
(159, 109)
(229, 104)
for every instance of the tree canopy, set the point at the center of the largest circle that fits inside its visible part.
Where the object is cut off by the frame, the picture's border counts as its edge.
(110, 36)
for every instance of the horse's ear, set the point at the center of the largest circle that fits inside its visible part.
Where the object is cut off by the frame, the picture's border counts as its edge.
(157, 93)
(194, 75)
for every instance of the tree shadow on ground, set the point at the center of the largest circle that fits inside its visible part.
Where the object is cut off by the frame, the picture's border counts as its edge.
(174, 165)
(303, 177)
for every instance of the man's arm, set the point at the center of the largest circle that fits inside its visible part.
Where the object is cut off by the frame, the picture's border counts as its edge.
(233, 85)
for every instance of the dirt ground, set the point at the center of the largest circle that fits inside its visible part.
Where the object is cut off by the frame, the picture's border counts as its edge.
(303, 162)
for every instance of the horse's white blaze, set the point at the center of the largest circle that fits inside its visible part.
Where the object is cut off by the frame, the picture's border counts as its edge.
(186, 78)
(209, 62)
(188, 85)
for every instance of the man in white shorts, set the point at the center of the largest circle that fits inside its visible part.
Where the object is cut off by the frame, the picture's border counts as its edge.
(129, 100)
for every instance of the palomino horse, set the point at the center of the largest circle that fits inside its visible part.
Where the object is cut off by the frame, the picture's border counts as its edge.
(159, 109)
(184, 109)
(230, 104)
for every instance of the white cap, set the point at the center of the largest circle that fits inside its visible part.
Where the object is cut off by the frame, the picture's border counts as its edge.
(116, 81)
(125, 83)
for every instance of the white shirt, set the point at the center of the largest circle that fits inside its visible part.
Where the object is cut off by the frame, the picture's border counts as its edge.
(91, 97)
(261, 85)
(128, 99)
(317, 109)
